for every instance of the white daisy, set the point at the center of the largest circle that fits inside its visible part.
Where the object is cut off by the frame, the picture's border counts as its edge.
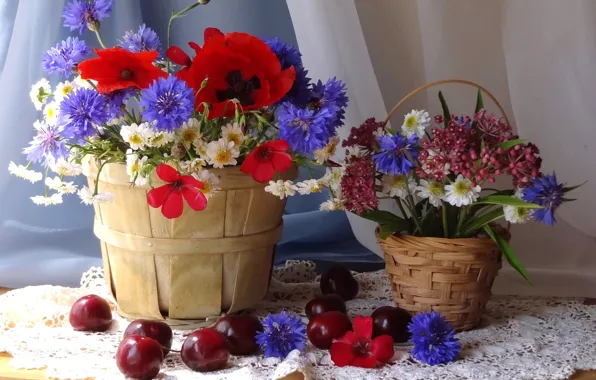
(233, 132)
(309, 186)
(517, 215)
(210, 182)
(332, 178)
(136, 135)
(51, 112)
(398, 186)
(462, 192)
(63, 89)
(66, 168)
(40, 92)
(332, 205)
(193, 166)
(325, 153)
(83, 83)
(201, 149)
(23, 172)
(157, 139)
(222, 152)
(434, 191)
(53, 199)
(87, 197)
(134, 168)
(415, 123)
(60, 186)
(281, 189)
(189, 132)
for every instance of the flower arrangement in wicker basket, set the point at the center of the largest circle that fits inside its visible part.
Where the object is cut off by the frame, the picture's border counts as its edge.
(443, 248)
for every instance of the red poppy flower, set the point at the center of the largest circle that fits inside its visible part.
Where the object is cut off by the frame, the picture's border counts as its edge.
(237, 66)
(266, 159)
(116, 68)
(179, 57)
(169, 196)
(358, 350)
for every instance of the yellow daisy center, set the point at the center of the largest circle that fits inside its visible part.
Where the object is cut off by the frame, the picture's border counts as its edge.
(207, 188)
(134, 168)
(136, 139)
(410, 122)
(223, 156)
(399, 181)
(436, 188)
(51, 113)
(158, 138)
(189, 135)
(236, 138)
(462, 188)
(66, 90)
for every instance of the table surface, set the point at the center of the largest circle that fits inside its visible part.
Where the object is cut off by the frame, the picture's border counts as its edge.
(8, 373)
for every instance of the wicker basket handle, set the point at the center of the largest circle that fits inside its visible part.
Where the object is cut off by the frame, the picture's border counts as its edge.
(446, 81)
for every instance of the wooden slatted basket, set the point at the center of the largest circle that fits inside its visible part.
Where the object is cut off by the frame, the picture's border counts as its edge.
(193, 267)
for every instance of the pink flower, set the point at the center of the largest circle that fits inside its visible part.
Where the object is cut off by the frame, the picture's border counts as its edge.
(358, 184)
(363, 136)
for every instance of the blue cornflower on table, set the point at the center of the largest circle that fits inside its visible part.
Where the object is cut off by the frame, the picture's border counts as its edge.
(434, 339)
(282, 333)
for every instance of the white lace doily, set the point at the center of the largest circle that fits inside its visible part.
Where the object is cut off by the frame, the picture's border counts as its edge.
(522, 338)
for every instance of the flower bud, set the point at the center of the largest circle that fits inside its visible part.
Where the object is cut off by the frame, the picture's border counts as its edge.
(93, 25)
(203, 2)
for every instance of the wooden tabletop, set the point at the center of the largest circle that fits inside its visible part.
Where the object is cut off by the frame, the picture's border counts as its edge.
(8, 373)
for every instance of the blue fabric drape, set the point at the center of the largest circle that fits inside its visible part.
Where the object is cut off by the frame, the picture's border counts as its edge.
(55, 245)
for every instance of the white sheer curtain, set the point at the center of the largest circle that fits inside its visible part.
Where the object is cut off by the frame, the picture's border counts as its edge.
(536, 56)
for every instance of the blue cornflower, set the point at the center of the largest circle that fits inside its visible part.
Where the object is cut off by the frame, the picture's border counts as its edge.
(288, 56)
(116, 100)
(168, 102)
(48, 145)
(64, 57)
(434, 339)
(332, 97)
(282, 333)
(304, 129)
(81, 14)
(143, 40)
(397, 155)
(546, 192)
(82, 109)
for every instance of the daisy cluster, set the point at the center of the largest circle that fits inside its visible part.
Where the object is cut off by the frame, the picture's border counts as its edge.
(239, 101)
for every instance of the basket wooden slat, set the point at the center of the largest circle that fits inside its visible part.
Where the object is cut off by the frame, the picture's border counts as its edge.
(451, 276)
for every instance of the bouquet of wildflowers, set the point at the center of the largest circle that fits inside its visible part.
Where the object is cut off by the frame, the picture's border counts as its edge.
(440, 174)
(239, 101)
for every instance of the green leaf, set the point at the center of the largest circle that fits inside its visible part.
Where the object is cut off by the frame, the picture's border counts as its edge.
(571, 188)
(569, 199)
(506, 145)
(389, 223)
(482, 220)
(479, 102)
(506, 201)
(446, 113)
(508, 253)
(386, 230)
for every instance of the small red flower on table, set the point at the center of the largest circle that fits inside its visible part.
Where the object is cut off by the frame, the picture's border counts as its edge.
(266, 159)
(116, 68)
(357, 349)
(169, 196)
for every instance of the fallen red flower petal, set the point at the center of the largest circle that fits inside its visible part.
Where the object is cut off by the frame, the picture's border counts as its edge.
(266, 159)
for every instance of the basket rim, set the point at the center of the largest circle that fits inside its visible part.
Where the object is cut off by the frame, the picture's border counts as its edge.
(460, 241)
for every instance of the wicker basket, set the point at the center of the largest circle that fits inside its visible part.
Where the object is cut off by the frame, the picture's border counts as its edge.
(193, 267)
(451, 276)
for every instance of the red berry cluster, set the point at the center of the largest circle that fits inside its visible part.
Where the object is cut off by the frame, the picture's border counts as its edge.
(521, 162)
(492, 130)
(358, 184)
(364, 135)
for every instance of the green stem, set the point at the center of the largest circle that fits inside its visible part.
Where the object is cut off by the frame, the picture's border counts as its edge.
(401, 208)
(100, 39)
(97, 178)
(172, 18)
(462, 215)
(445, 227)
(413, 213)
(44, 181)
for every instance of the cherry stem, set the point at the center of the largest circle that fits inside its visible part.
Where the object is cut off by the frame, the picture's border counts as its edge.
(169, 349)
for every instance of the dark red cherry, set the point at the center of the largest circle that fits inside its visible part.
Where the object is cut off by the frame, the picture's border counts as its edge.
(90, 313)
(160, 331)
(205, 350)
(338, 280)
(324, 303)
(394, 321)
(139, 357)
(240, 332)
(325, 327)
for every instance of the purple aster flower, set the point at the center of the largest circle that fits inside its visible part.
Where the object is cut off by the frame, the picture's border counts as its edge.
(64, 57)
(546, 192)
(434, 339)
(304, 129)
(397, 155)
(145, 39)
(48, 145)
(116, 100)
(282, 333)
(168, 102)
(83, 109)
(332, 97)
(81, 14)
(288, 56)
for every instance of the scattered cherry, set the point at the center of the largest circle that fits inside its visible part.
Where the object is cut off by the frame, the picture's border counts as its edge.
(338, 280)
(139, 357)
(160, 331)
(324, 303)
(325, 327)
(393, 321)
(90, 313)
(205, 350)
(240, 333)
